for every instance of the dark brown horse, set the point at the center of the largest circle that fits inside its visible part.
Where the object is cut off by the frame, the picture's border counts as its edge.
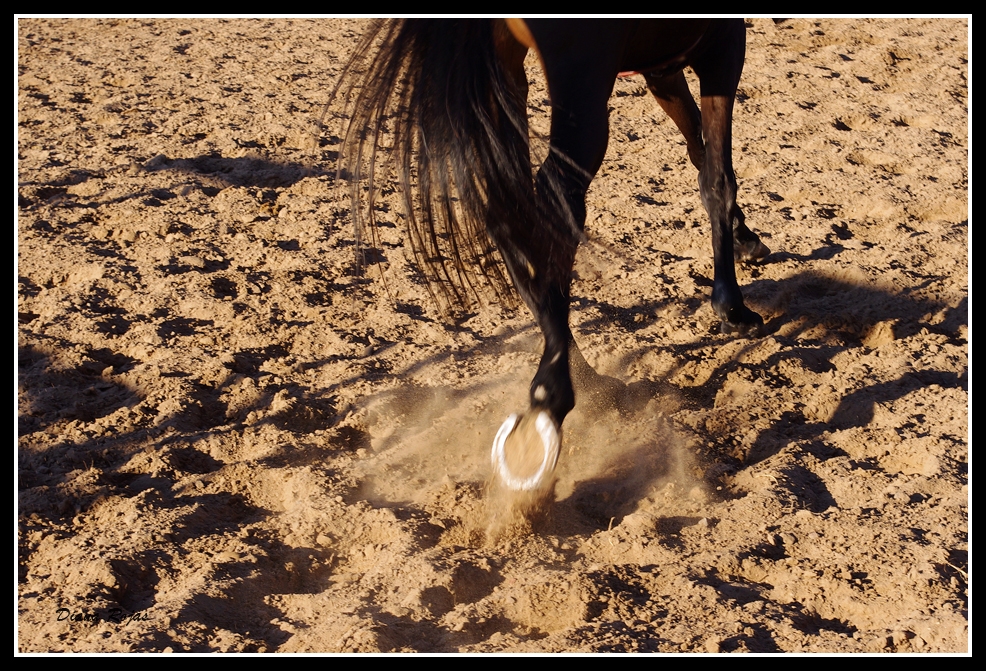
(453, 94)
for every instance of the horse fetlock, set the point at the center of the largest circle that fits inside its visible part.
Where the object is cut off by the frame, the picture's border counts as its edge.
(551, 389)
(556, 402)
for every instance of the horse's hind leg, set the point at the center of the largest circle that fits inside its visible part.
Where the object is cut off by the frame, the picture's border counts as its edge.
(512, 54)
(673, 96)
(526, 447)
(540, 260)
(579, 135)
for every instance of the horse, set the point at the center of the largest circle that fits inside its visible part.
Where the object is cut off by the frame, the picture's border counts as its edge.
(453, 93)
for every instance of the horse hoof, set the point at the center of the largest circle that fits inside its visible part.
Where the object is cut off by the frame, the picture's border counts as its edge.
(751, 325)
(525, 451)
(751, 252)
(749, 330)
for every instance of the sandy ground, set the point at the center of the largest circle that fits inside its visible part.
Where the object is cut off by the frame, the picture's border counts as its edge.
(227, 442)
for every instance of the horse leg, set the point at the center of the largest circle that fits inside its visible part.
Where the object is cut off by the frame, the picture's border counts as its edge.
(604, 390)
(512, 53)
(526, 447)
(579, 136)
(540, 263)
(719, 72)
(673, 96)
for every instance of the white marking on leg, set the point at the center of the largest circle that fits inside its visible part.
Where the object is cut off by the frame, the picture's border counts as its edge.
(540, 393)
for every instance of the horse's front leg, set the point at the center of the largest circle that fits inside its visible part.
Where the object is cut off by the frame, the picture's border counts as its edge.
(719, 72)
(747, 245)
(672, 94)
(717, 184)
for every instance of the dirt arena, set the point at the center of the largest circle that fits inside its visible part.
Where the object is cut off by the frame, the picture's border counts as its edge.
(229, 442)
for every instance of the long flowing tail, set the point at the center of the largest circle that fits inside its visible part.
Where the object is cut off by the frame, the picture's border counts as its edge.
(459, 144)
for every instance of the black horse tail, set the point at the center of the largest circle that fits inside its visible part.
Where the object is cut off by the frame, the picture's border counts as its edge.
(459, 144)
